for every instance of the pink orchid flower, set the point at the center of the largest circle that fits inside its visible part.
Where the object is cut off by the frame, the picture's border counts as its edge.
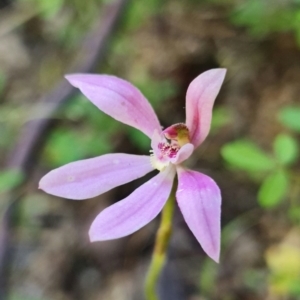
(198, 196)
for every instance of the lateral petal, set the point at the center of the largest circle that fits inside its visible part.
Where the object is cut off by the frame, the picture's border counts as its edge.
(135, 211)
(200, 98)
(94, 176)
(119, 99)
(199, 199)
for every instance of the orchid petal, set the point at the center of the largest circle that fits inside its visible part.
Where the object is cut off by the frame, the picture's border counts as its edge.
(184, 153)
(91, 177)
(135, 211)
(200, 98)
(119, 99)
(199, 199)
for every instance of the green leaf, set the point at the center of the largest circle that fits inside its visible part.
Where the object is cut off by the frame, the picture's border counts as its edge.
(247, 156)
(273, 189)
(10, 179)
(286, 149)
(290, 117)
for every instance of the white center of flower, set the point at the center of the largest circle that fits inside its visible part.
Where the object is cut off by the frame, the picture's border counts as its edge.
(164, 152)
(166, 146)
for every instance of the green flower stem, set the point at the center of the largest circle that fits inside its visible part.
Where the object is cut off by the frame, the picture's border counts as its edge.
(161, 244)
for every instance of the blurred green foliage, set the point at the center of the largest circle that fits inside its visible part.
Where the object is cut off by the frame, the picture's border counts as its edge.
(155, 90)
(48, 8)
(89, 133)
(286, 149)
(139, 12)
(290, 117)
(221, 117)
(75, 17)
(273, 189)
(208, 277)
(273, 172)
(33, 207)
(18, 296)
(263, 17)
(245, 155)
(83, 131)
(255, 279)
(13, 117)
(10, 179)
(3, 80)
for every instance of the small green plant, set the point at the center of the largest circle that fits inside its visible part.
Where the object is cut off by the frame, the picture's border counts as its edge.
(274, 171)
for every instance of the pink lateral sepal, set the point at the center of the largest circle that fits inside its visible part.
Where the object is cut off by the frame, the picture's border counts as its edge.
(135, 211)
(94, 176)
(199, 200)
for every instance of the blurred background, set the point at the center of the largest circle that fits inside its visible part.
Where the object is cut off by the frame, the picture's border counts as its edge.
(160, 46)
